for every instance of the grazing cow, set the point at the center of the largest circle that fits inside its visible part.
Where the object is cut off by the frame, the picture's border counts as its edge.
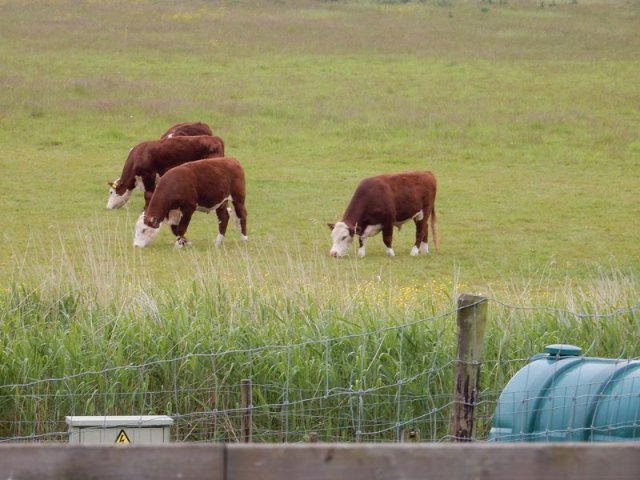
(187, 130)
(382, 202)
(149, 160)
(203, 185)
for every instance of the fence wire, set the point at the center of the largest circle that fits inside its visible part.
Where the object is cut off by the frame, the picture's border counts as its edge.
(373, 386)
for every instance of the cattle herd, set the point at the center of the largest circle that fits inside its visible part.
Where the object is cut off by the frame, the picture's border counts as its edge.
(187, 170)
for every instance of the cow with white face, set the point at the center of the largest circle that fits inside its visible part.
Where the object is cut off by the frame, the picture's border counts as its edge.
(383, 202)
(148, 161)
(119, 195)
(205, 185)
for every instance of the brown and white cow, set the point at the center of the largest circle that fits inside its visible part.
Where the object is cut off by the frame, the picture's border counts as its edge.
(382, 202)
(203, 185)
(188, 130)
(149, 160)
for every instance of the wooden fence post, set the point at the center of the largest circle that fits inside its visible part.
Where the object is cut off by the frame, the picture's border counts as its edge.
(472, 318)
(246, 405)
(410, 435)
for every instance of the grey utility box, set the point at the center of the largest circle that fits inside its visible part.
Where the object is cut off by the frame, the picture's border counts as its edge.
(119, 430)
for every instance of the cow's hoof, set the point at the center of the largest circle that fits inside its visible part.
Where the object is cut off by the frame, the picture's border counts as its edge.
(424, 248)
(182, 242)
(390, 252)
(244, 238)
(414, 251)
(219, 239)
(361, 252)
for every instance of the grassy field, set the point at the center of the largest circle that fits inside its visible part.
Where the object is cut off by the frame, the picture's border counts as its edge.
(527, 112)
(527, 115)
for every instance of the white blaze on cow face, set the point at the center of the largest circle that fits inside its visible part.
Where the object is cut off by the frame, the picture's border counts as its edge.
(144, 233)
(116, 201)
(342, 238)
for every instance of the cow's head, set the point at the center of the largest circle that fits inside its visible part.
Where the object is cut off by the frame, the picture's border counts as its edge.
(118, 194)
(341, 237)
(147, 229)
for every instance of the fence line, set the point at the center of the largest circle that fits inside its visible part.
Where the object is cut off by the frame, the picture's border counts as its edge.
(255, 350)
(617, 312)
(345, 402)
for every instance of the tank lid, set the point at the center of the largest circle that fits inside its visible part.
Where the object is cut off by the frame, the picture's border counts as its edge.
(563, 350)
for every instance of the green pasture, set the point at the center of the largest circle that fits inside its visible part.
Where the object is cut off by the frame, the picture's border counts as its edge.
(528, 116)
(528, 113)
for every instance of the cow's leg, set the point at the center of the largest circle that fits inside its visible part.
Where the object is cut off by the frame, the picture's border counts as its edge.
(223, 221)
(149, 183)
(424, 246)
(361, 240)
(387, 238)
(180, 229)
(421, 232)
(147, 198)
(241, 213)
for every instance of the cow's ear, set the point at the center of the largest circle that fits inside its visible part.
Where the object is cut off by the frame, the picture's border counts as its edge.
(331, 226)
(111, 184)
(154, 222)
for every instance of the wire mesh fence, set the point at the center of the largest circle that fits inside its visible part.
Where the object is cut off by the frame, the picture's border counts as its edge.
(373, 386)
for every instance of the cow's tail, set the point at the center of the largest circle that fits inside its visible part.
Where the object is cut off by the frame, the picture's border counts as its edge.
(434, 226)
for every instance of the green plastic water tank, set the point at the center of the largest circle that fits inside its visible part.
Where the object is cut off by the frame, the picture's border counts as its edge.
(562, 396)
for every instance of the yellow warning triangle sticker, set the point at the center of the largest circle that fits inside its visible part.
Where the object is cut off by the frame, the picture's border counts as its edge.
(122, 438)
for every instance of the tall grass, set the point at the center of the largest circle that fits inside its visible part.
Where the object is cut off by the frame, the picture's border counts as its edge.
(353, 360)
